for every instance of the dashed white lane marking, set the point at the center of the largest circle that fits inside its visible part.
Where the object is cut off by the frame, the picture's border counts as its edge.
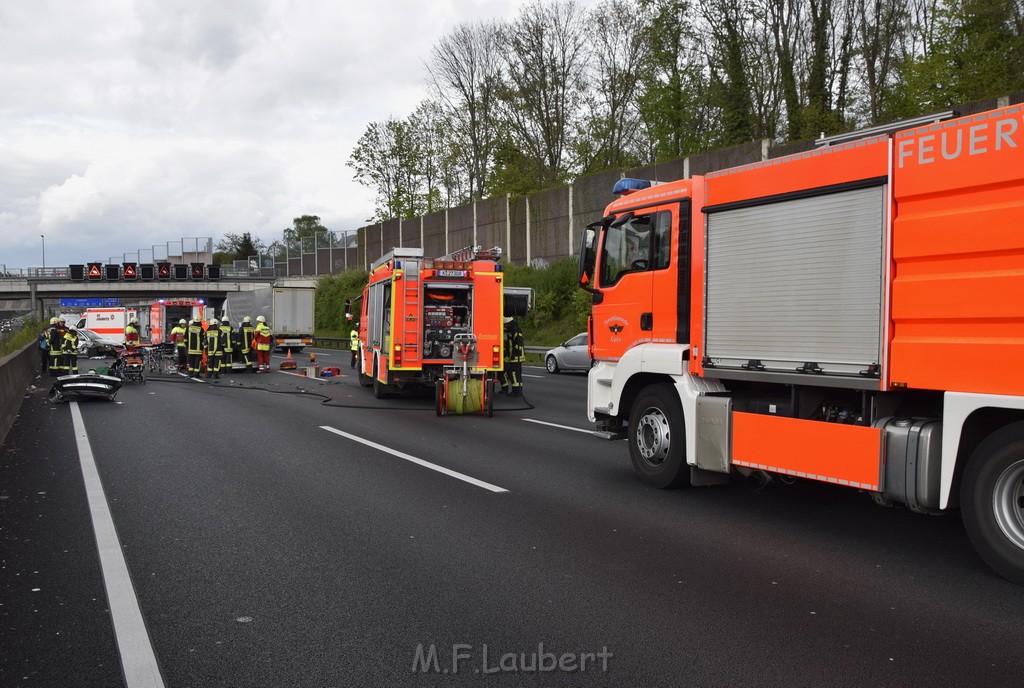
(528, 375)
(413, 459)
(138, 661)
(556, 425)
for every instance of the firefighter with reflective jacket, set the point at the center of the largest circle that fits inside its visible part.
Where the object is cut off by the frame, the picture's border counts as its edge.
(227, 344)
(71, 351)
(178, 333)
(353, 343)
(515, 353)
(55, 340)
(214, 350)
(131, 332)
(261, 341)
(195, 343)
(245, 332)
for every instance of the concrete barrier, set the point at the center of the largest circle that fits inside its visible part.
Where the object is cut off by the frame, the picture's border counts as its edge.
(16, 372)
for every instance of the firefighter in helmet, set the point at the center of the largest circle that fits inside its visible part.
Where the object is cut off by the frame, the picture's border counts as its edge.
(178, 333)
(262, 341)
(131, 332)
(227, 344)
(515, 353)
(245, 333)
(195, 342)
(70, 346)
(353, 343)
(56, 346)
(214, 350)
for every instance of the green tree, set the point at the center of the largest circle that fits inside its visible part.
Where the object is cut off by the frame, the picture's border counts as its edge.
(545, 56)
(976, 51)
(674, 107)
(238, 247)
(387, 159)
(609, 136)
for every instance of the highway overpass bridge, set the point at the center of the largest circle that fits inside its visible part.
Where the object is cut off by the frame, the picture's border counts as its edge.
(41, 295)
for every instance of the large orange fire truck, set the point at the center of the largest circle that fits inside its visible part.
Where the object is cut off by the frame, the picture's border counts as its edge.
(852, 314)
(416, 311)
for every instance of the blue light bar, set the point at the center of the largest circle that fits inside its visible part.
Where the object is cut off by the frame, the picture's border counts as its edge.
(627, 185)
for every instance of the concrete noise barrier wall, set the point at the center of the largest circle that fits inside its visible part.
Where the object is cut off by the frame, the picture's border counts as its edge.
(16, 372)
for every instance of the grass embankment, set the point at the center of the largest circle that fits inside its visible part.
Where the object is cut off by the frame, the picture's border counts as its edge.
(28, 333)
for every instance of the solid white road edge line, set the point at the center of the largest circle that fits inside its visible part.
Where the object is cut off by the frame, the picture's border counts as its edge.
(528, 375)
(556, 425)
(413, 459)
(137, 657)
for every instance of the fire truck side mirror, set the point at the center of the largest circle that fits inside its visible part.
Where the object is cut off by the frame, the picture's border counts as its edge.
(587, 259)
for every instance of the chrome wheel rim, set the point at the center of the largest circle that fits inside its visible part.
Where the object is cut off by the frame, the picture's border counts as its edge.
(1008, 503)
(551, 364)
(653, 436)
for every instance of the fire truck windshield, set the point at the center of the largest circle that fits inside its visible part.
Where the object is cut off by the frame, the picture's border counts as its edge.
(627, 247)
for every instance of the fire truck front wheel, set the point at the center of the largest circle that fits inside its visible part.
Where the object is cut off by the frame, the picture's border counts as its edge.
(992, 501)
(657, 438)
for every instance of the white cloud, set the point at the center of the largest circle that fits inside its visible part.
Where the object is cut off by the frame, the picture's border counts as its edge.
(128, 123)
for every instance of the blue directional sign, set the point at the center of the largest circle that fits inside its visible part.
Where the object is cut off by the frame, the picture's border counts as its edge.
(95, 302)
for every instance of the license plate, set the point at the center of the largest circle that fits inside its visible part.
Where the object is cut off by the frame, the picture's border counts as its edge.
(452, 273)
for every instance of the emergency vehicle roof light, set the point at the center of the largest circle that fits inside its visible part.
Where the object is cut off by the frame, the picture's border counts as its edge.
(626, 186)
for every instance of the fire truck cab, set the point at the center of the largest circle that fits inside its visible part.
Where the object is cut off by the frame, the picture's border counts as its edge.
(851, 314)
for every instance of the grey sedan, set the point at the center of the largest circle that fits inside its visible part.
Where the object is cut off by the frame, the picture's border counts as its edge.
(91, 344)
(571, 354)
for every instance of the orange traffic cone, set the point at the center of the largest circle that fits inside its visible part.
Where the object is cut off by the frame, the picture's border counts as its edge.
(289, 363)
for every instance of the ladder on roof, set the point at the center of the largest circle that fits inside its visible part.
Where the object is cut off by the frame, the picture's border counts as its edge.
(412, 314)
(474, 253)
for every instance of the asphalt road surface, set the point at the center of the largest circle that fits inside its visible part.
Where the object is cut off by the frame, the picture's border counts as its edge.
(270, 539)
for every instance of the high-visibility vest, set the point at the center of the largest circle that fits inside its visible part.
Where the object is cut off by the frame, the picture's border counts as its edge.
(56, 340)
(195, 339)
(70, 343)
(131, 334)
(178, 335)
(354, 341)
(262, 337)
(246, 331)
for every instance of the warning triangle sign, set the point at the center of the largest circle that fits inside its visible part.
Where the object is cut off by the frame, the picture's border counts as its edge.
(94, 271)
(165, 271)
(129, 271)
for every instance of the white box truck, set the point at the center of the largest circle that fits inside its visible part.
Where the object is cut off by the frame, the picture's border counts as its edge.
(288, 310)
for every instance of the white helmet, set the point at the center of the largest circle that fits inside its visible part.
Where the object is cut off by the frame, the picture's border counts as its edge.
(214, 322)
(247, 319)
(53, 320)
(133, 321)
(182, 322)
(261, 318)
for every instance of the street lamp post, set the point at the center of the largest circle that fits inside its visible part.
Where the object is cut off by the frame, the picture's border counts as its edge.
(43, 237)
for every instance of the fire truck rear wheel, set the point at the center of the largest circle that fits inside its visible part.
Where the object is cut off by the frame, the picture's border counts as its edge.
(657, 438)
(992, 501)
(440, 400)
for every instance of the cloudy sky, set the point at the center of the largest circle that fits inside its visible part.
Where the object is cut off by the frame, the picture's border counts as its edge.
(129, 123)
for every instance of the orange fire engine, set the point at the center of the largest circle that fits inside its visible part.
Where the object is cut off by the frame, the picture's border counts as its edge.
(853, 314)
(416, 312)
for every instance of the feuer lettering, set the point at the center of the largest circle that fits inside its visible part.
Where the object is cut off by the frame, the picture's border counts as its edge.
(982, 138)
